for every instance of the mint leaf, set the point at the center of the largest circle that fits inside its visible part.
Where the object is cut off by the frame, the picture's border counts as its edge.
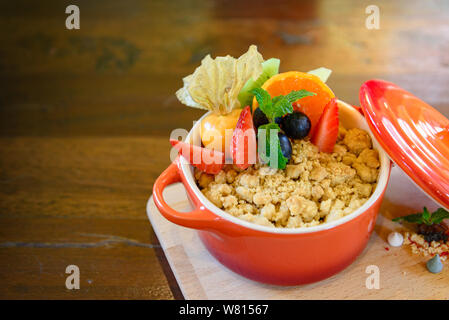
(283, 104)
(425, 217)
(279, 105)
(412, 218)
(277, 98)
(269, 147)
(264, 100)
(439, 215)
(265, 103)
(282, 107)
(298, 94)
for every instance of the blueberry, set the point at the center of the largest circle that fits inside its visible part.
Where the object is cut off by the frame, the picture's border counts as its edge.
(259, 118)
(296, 125)
(286, 146)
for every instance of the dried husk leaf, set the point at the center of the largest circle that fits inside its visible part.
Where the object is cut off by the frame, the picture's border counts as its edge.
(216, 83)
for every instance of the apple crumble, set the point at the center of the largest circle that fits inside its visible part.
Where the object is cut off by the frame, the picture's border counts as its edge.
(314, 188)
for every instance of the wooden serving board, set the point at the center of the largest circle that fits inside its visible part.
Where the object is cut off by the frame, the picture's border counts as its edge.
(403, 275)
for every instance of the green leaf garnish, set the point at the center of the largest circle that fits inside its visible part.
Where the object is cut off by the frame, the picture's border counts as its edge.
(283, 104)
(295, 95)
(280, 105)
(268, 133)
(264, 100)
(271, 154)
(439, 215)
(425, 217)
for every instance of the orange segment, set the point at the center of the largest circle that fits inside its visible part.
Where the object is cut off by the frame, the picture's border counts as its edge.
(284, 83)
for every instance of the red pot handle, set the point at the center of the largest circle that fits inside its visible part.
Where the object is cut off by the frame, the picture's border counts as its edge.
(199, 218)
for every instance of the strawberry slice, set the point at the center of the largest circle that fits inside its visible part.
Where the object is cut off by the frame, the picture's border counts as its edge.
(244, 145)
(326, 132)
(206, 160)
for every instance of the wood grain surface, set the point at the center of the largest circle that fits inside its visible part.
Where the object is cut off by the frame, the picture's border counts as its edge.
(85, 116)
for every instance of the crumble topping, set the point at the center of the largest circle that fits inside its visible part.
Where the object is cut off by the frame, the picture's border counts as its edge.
(314, 188)
(420, 246)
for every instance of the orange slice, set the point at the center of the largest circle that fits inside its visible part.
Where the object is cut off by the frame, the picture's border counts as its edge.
(284, 83)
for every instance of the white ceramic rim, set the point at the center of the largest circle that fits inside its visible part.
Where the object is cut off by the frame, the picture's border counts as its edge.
(346, 111)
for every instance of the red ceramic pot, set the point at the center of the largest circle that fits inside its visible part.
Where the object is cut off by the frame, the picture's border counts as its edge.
(275, 255)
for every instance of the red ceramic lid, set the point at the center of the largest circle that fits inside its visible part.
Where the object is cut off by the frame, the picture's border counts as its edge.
(415, 135)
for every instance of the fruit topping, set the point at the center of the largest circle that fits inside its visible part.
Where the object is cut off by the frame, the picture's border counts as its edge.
(322, 73)
(244, 145)
(216, 83)
(259, 118)
(286, 146)
(312, 106)
(296, 125)
(216, 130)
(279, 105)
(205, 160)
(326, 131)
(270, 67)
(270, 148)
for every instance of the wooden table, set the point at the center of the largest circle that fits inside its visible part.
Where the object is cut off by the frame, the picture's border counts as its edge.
(86, 114)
